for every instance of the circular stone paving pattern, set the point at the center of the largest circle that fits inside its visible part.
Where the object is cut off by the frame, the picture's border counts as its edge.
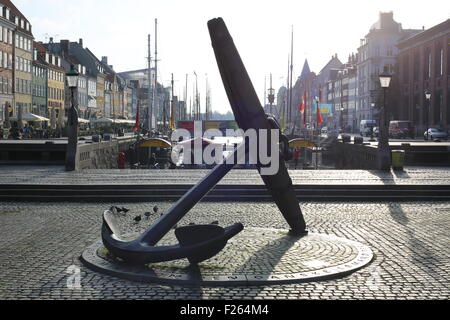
(254, 257)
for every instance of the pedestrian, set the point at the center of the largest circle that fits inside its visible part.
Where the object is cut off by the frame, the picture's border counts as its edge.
(26, 131)
(296, 156)
(152, 162)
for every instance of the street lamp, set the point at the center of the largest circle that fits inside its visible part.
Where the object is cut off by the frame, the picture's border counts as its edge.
(384, 154)
(72, 119)
(428, 97)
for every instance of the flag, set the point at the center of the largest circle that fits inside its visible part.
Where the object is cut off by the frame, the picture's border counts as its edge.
(319, 116)
(302, 107)
(138, 120)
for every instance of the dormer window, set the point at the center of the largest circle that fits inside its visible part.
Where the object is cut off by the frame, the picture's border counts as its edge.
(16, 20)
(28, 26)
(7, 13)
(22, 25)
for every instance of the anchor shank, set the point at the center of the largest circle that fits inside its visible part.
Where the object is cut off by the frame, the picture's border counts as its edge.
(187, 202)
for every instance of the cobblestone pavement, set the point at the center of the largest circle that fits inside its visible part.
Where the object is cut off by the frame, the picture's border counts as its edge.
(54, 175)
(40, 245)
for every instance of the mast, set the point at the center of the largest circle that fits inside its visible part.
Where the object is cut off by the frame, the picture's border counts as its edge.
(207, 99)
(150, 88)
(265, 92)
(185, 98)
(292, 69)
(172, 108)
(155, 94)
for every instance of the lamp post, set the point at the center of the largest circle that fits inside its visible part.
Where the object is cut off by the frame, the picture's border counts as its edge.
(371, 118)
(428, 97)
(384, 152)
(72, 119)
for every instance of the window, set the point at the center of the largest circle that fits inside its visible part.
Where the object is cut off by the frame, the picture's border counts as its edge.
(17, 40)
(389, 52)
(1, 33)
(5, 60)
(21, 42)
(5, 35)
(9, 61)
(10, 37)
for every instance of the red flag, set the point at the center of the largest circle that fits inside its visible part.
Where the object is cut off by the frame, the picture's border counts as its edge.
(302, 107)
(319, 116)
(138, 120)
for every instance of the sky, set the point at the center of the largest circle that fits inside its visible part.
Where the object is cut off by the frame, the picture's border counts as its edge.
(261, 31)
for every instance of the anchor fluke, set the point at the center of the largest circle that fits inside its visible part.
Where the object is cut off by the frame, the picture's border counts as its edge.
(197, 243)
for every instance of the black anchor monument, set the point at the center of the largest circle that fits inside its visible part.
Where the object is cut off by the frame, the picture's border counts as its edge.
(200, 242)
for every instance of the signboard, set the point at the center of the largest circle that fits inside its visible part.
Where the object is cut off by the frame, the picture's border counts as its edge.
(325, 108)
(221, 125)
(188, 125)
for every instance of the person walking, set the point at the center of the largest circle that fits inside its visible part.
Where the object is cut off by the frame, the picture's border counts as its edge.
(296, 156)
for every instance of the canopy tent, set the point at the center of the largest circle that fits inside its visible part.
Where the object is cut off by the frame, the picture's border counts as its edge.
(80, 120)
(103, 120)
(116, 121)
(29, 117)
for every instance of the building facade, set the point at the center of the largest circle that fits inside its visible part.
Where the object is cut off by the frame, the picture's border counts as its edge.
(424, 65)
(23, 59)
(56, 88)
(6, 66)
(377, 54)
(39, 84)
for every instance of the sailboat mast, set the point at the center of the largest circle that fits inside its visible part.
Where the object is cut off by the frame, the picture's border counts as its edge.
(150, 88)
(155, 94)
(292, 70)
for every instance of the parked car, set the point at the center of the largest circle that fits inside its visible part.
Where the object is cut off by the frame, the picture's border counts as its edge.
(401, 129)
(324, 130)
(435, 133)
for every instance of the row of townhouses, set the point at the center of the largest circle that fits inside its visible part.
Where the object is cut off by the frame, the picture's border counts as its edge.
(32, 77)
(418, 60)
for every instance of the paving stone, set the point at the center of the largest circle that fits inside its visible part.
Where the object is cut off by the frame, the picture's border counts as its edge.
(39, 241)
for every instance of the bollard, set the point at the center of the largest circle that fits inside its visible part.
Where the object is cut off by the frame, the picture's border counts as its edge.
(398, 159)
(121, 160)
(96, 138)
(346, 138)
(358, 140)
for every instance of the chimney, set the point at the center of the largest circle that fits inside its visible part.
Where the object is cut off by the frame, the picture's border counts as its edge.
(105, 60)
(80, 42)
(65, 48)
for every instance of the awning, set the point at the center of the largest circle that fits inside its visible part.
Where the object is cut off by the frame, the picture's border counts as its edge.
(80, 120)
(30, 117)
(155, 142)
(301, 143)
